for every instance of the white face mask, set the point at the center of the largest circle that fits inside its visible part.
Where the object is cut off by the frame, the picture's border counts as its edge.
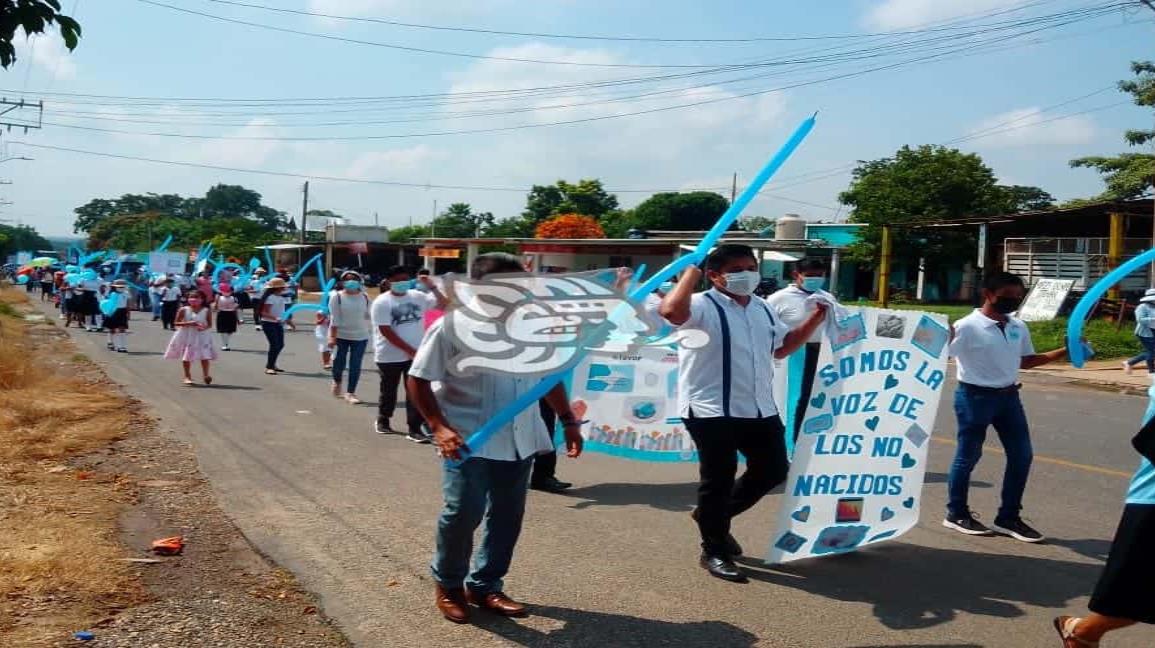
(742, 283)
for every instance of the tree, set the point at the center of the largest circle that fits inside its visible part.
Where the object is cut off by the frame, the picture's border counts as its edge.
(1129, 175)
(696, 210)
(99, 209)
(34, 17)
(1019, 198)
(221, 201)
(588, 197)
(512, 227)
(407, 233)
(459, 221)
(569, 226)
(21, 238)
(756, 224)
(916, 185)
(236, 201)
(617, 223)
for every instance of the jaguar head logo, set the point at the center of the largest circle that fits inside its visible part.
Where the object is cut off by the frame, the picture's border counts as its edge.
(536, 324)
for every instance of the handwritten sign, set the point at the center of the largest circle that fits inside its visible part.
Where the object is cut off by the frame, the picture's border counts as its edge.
(1045, 300)
(860, 460)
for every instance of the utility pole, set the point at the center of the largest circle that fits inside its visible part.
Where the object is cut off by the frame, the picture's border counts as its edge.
(304, 218)
(734, 188)
(433, 221)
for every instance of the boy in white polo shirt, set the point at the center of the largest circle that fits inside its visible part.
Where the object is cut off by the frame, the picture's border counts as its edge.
(990, 347)
(725, 393)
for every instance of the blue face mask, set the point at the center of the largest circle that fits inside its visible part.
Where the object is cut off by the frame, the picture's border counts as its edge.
(352, 285)
(813, 284)
(401, 287)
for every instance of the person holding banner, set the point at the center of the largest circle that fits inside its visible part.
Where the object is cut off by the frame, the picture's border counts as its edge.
(489, 482)
(990, 347)
(725, 394)
(793, 304)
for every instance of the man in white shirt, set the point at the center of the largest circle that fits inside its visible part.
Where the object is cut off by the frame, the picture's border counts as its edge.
(793, 305)
(169, 303)
(725, 394)
(990, 347)
(398, 316)
(492, 482)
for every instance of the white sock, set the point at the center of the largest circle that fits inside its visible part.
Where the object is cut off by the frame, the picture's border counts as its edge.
(120, 341)
(225, 338)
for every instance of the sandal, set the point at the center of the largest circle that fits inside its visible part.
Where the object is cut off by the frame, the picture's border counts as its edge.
(270, 372)
(1066, 627)
(208, 380)
(188, 382)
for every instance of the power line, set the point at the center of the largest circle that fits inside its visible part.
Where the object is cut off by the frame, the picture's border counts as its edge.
(1108, 7)
(635, 39)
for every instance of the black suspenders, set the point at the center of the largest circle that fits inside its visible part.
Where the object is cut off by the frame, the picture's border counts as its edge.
(726, 353)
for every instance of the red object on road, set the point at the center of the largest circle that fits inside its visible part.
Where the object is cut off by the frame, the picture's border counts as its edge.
(168, 546)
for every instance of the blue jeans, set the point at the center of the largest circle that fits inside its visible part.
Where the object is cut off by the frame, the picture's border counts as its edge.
(156, 304)
(1148, 354)
(476, 489)
(351, 352)
(275, 334)
(975, 411)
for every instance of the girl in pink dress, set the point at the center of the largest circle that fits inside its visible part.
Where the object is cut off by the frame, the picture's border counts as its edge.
(193, 339)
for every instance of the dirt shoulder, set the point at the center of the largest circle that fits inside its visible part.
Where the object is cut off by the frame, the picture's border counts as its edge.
(88, 480)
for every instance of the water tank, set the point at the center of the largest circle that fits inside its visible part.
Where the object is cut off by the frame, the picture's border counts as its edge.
(790, 227)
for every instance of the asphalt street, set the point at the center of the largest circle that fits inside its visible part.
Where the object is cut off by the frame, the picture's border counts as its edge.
(613, 562)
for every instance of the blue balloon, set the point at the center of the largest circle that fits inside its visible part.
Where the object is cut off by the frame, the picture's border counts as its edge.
(88, 275)
(1075, 349)
(22, 279)
(483, 434)
(164, 246)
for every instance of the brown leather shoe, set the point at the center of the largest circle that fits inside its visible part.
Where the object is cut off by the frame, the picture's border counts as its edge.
(452, 604)
(497, 602)
(1066, 627)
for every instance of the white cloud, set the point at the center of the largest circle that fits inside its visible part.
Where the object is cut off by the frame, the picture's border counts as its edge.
(412, 163)
(904, 14)
(238, 152)
(48, 54)
(399, 8)
(1029, 127)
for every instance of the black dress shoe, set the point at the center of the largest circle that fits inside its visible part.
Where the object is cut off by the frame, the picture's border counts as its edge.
(721, 567)
(550, 485)
(732, 545)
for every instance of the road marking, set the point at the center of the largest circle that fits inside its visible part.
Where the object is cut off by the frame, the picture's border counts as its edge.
(1051, 460)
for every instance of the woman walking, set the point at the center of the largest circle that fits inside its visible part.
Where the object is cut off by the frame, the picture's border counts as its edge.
(271, 310)
(193, 340)
(349, 332)
(1144, 321)
(226, 307)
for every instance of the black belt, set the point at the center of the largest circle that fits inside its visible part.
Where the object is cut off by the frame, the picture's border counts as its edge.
(1013, 389)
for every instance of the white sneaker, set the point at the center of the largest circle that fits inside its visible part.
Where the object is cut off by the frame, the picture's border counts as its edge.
(1127, 367)
(352, 399)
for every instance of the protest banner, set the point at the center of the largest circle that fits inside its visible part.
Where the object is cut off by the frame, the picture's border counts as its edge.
(630, 402)
(860, 461)
(166, 263)
(1045, 300)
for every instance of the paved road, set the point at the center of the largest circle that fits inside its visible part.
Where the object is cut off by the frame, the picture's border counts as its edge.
(613, 562)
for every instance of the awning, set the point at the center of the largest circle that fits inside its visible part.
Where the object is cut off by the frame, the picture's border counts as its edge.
(774, 255)
(288, 246)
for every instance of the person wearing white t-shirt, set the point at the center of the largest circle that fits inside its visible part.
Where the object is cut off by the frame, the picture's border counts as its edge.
(990, 347)
(398, 316)
(725, 393)
(791, 305)
(271, 309)
(169, 296)
(349, 333)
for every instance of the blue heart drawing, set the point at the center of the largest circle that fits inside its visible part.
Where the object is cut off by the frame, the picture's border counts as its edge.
(908, 502)
(872, 423)
(887, 513)
(818, 401)
(891, 382)
(802, 514)
(907, 460)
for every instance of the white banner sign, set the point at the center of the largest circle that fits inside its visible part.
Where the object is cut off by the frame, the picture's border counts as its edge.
(860, 461)
(1045, 300)
(631, 403)
(167, 263)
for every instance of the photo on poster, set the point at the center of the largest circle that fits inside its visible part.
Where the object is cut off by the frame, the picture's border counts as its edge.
(848, 331)
(930, 336)
(849, 509)
(890, 326)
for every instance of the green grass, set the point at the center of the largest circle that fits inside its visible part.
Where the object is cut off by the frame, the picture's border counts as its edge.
(1108, 343)
(9, 310)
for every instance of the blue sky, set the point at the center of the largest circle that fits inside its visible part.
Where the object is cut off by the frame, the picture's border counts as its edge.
(134, 49)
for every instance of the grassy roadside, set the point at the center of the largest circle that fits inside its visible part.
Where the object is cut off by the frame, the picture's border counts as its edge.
(60, 567)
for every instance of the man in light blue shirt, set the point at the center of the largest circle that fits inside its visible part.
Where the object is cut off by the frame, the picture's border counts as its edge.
(491, 484)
